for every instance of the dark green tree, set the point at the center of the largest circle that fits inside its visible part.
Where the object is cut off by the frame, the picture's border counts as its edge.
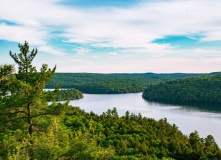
(127, 115)
(210, 141)
(23, 101)
(5, 70)
(24, 60)
(29, 127)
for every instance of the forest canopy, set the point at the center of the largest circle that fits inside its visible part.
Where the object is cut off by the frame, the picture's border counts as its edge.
(201, 89)
(114, 83)
(66, 94)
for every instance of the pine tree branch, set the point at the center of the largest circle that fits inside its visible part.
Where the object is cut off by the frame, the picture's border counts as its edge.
(44, 114)
(11, 113)
(13, 120)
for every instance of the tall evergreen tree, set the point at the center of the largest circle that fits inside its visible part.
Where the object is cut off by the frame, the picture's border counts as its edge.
(24, 60)
(29, 127)
(24, 102)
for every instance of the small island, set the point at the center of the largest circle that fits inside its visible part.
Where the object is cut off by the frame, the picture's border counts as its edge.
(66, 94)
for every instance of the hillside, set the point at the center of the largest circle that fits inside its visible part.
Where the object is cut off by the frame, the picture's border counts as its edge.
(168, 76)
(202, 89)
(114, 83)
(135, 137)
(101, 83)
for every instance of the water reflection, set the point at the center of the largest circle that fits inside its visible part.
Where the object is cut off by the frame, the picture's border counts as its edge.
(191, 106)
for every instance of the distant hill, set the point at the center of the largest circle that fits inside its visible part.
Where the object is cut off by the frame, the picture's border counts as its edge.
(202, 89)
(114, 83)
(168, 76)
(101, 83)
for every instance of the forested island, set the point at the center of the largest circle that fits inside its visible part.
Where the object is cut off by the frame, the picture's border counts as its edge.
(30, 128)
(114, 83)
(201, 89)
(66, 94)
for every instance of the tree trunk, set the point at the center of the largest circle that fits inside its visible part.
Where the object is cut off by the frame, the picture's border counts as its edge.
(30, 130)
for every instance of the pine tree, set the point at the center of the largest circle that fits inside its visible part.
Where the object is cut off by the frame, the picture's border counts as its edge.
(23, 101)
(5, 70)
(29, 128)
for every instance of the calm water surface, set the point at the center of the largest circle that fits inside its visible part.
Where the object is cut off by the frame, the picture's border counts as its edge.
(188, 117)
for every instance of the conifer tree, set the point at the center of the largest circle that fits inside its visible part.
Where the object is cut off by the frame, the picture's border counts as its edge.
(28, 125)
(24, 60)
(5, 70)
(23, 101)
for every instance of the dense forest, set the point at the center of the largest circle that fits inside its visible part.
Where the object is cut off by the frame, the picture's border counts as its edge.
(66, 94)
(202, 89)
(136, 137)
(101, 83)
(163, 77)
(114, 83)
(31, 128)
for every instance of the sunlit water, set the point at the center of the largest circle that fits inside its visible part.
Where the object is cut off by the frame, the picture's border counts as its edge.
(203, 119)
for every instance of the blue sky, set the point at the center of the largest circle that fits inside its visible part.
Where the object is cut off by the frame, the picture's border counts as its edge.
(115, 36)
(100, 3)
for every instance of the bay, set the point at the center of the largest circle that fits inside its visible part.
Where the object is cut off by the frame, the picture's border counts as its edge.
(206, 119)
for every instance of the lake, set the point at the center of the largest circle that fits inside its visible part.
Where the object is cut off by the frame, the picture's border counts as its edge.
(205, 118)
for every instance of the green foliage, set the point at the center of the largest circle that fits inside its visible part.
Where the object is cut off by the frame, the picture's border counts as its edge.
(204, 89)
(5, 70)
(100, 83)
(58, 142)
(113, 83)
(24, 60)
(29, 128)
(23, 101)
(169, 76)
(66, 94)
(135, 137)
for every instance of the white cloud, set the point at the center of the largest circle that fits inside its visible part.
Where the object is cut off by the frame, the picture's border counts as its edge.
(214, 35)
(139, 25)
(81, 61)
(51, 50)
(119, 27)
(154, 49)
(79, 40)
(165, 51)
(22, 33)
(132, 29)
(113, 53)
(208, 52)
(161, 65)
(81, 50)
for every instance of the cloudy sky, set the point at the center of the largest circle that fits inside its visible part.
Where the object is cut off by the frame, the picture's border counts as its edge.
(115, 36)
